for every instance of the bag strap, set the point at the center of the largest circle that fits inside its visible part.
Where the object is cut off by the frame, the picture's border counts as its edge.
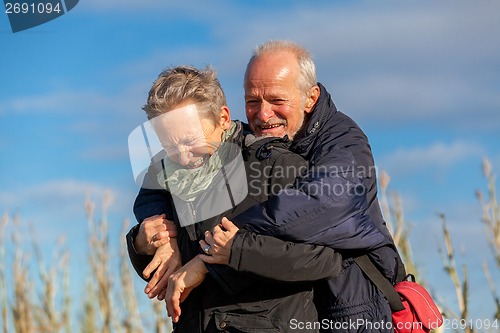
(380, 281)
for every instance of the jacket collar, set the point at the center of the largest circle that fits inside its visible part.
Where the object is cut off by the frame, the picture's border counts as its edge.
(314, 123)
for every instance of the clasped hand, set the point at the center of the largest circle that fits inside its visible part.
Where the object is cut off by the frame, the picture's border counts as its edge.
(217, 245)
(171, 281)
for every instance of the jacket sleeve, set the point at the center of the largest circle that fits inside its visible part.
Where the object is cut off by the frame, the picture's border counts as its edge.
(279, 260)
(271, 258)
(326, 207)
(139, 261)
(151, 200)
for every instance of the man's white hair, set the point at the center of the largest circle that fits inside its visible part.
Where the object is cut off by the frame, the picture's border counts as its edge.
(307, 75)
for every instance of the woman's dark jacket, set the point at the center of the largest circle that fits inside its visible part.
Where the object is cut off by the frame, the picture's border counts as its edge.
(237, 301)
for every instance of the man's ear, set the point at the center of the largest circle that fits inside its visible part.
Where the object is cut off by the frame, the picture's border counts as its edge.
(312, 98)
(225, 117)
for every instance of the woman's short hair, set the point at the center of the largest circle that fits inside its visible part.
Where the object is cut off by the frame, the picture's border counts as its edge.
(181, 85)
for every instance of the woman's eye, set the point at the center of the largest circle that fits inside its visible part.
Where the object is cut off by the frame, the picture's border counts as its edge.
(169, 149)
(192, 142)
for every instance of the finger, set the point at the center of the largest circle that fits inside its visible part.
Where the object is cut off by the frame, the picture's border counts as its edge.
(177, 306)
(154, 220)
(228, 225)
(158, 264)
(172, 301)
(160, 228)
(149, 269)
(171, 269)
(169, 224)
(203, 244)
(209, 238)
(168, 303)
(160, 285)
(162, 294)
(160, 243)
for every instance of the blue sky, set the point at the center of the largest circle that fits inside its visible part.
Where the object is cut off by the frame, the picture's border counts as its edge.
(421, 78)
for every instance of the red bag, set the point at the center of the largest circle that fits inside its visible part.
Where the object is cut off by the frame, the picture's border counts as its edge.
(420, 313)
(413, 310)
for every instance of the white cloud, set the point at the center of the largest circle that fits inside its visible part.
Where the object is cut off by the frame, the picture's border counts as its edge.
(58, 101)
(394, 99)
(62, 197)
(437, 156)
(55, 208)
(391, 63)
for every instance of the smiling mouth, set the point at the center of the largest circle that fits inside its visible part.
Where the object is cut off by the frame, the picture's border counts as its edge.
(270, 126)
(196, 164)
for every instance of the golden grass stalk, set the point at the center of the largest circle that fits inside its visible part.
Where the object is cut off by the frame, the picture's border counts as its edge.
(22, 308)
(48, 317)
(162, 324)
(491, 211)
(3, 282)
(66, 303)
(493, 290)
(384, 180)
(394, 213)
(98, 260)
(461, 285)
(132, 322)
(88, 323)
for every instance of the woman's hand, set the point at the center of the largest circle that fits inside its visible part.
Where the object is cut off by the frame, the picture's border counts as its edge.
(154, 232)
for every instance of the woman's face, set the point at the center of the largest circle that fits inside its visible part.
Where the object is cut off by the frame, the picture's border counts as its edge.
(188, 138)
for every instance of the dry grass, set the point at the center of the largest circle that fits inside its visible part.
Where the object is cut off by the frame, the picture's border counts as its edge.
(394, 215)
(461, 283)
(398, 226)
(3, 282)
(491, 220)
(41, 302)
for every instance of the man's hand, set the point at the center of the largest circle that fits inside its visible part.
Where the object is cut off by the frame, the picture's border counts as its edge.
(219, 244)
(181, 283)
(154, 232)
(167, 259)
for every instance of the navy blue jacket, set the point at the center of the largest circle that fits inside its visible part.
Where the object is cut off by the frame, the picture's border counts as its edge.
(334, 204)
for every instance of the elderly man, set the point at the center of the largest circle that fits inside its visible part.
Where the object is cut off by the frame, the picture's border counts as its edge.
(334, 204)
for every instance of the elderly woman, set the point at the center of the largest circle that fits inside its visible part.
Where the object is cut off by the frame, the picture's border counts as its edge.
(201, 177)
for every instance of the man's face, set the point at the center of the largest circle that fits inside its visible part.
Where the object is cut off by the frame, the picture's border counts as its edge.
(274, 104)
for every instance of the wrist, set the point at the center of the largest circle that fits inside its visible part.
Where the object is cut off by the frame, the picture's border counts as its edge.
(139, 247)
(200, 265)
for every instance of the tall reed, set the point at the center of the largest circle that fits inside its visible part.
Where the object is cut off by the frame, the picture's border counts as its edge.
(3, 281)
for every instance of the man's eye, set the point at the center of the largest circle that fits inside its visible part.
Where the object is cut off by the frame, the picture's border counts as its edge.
(252, 102)
(278, 101)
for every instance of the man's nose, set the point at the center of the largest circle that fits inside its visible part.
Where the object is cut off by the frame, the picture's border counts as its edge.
(265, 111)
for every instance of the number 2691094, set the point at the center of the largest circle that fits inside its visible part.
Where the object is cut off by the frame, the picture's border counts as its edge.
(31, 8)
